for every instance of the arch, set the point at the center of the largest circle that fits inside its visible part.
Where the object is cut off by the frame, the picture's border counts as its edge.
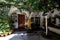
(14, 9)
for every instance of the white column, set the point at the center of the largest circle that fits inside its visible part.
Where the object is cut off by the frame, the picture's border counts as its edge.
(57, 21)
(46, 25)
(17, 20)
(41, 19)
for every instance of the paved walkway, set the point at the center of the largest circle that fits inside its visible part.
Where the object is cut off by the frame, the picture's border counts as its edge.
(19, 35)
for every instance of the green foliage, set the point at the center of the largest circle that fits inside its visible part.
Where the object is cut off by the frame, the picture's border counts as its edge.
(39, 5)
(30, 5)
(4, 27)
(5, 20)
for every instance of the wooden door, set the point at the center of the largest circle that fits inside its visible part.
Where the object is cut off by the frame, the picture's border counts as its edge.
(21, 21)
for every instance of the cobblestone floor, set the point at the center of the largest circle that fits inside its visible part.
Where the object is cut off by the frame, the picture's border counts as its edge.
(22, 35)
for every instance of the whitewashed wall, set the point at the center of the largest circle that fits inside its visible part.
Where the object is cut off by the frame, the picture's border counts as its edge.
(56, 12)
(49, 14)
(40, 14)
(35, 14)
(14, 9)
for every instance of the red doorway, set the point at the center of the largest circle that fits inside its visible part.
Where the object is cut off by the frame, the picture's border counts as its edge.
(21, 22)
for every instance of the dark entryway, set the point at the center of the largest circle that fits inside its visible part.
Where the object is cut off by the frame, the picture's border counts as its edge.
(21, 22)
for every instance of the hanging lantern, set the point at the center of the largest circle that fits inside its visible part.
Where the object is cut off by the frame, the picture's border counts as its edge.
(30, 4)
(48, 5)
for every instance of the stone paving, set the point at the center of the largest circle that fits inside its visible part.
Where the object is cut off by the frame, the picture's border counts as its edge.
(22, 35)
